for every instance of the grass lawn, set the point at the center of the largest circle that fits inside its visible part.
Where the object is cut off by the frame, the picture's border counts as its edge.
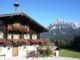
(69, 53)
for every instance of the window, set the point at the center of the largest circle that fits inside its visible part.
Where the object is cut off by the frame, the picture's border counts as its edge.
(1, 23)
(16, 36)
(0, 50)
(9, 36)
(26, 36)
(34, 36)
(1, 35)
(8, 48)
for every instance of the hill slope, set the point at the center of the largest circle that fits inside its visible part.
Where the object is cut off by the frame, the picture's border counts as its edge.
(61, 29)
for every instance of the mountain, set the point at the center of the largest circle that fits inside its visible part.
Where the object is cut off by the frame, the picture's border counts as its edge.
(60, 29)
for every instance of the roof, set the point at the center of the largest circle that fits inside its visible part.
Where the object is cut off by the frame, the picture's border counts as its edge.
(53, 48)
(25, 19)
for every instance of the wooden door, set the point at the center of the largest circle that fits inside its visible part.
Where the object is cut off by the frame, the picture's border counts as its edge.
(54, 53)
(15, 51)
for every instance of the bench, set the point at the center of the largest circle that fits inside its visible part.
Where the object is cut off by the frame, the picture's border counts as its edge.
(3, 55)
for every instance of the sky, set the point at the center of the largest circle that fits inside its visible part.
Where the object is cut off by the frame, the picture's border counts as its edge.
(45, 11)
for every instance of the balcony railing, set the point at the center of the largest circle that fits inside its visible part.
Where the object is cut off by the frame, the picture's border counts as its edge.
(21, 42)
(18, 28)
(37, 41)
(6, 42)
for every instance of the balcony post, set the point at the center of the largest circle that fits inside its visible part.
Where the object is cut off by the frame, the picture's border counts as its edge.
(6, 32)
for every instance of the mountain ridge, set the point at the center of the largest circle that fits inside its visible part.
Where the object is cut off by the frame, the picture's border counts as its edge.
(60, 21)
(60, 29)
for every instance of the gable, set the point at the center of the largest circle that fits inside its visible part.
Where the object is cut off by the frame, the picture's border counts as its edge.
(23, 19)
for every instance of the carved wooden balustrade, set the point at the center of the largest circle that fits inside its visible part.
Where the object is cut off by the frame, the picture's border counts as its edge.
(18, 28)
(21, 42)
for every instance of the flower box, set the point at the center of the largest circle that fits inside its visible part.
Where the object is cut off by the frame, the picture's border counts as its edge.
(34, 41)
(27, 41)
(2, 41)
(41, 41)
(26, 29)
(8, 41)
(10, 27)
(37, 41)
(15, 41)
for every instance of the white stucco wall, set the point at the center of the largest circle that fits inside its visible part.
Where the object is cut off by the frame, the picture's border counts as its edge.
(5, 51)
(57, 53)
(21, 50)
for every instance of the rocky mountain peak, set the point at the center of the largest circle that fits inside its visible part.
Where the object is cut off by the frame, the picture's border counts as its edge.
(60, 29)
(59, 21)
(62, 23)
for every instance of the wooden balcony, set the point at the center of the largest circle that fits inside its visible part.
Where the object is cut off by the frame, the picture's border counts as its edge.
(37, 41)
(5, 42)
(28, 42)
(21, 42)
(18, 28)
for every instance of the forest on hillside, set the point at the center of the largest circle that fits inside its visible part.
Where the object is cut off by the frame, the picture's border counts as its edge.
(71, 44)
(66, 44)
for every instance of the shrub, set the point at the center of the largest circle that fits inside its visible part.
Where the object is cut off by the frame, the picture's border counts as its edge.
(48, 52)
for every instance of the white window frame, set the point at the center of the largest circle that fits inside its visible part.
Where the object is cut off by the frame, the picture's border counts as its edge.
(0, 50)
(9, 36)
(27, 36)
(1, 35)
(34, 37)
(17, 36)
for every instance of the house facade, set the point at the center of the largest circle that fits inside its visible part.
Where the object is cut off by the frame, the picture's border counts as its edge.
(19, 34)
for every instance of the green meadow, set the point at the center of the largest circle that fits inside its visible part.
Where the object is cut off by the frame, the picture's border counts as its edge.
(69, 53)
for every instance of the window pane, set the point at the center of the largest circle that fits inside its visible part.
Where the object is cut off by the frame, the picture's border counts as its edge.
(0, 50)
(34, 36)
(1, 23)
(16, 36)
(9, 36)
(1, 35)
(26, 36)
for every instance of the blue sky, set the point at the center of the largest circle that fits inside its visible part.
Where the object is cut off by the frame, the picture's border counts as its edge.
(45, 11)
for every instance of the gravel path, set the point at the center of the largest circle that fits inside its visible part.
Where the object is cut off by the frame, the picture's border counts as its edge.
(46, 58)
